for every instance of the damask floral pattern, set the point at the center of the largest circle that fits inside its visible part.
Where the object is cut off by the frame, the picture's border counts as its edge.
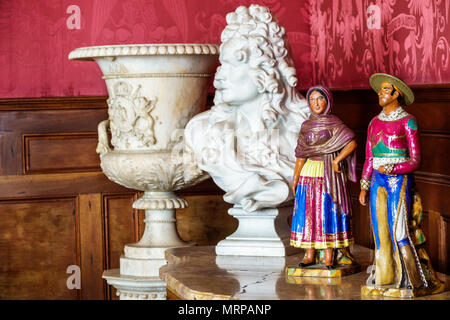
(412, 41)
(35, 40)
(330, 39)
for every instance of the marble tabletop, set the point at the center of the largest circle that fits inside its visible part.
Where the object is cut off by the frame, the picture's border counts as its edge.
(195, 273)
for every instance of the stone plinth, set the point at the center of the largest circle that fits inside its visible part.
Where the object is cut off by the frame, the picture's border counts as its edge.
(135, 288)
(261, 233)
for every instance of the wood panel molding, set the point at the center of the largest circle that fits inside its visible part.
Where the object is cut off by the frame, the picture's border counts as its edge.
(121, 225)
(60, 152)
(53, 103)
(91, 241)
(39, 240)
(57, 184)
(433, 178)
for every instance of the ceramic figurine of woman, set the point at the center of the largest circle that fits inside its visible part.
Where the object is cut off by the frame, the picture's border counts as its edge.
(325, 160)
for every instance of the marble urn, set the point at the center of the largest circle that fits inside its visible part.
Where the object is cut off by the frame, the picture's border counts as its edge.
(154, 90)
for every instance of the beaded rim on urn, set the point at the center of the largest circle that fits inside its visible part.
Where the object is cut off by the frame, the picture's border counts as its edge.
(89, 53)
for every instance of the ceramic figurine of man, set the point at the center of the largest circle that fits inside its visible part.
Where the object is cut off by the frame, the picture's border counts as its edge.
(402, 266)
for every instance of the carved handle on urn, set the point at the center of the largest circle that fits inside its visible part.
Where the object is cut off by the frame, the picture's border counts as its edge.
(103, 140)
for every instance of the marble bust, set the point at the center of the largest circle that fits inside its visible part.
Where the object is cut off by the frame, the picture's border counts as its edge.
(246, 141)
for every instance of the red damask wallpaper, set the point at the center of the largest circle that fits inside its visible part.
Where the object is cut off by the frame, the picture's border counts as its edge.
(37, 36)
(351, 39)
(338, 43)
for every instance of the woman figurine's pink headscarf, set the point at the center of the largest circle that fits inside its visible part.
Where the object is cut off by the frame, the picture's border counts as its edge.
(325, 135)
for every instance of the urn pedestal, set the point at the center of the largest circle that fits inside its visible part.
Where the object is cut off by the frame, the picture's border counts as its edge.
(154, 89)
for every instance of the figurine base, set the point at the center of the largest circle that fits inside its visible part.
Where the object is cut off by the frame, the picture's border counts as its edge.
(391, 291)
(314, 281)
(321, 271)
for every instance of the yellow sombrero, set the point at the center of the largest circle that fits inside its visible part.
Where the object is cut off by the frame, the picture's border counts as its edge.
(378, 78)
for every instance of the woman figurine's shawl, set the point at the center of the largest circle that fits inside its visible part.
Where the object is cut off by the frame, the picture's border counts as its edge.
(321, 135)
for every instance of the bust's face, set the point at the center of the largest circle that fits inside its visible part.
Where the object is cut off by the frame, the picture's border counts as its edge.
(384, 94)
(232, 78)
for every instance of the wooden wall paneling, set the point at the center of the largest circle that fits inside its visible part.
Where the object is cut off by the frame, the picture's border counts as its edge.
(60, 152)
(434, 148)
(139, 217)
(38, 242)
(120, 225)
(206, 220)
(54, 140)
(14, 124)
(57, 184)
(444, 242)
(11, 153)
(362, 229)
(436, 228)
(432, 233)
(53, 103)
(92, 246)
(435, 196)
(139, 223)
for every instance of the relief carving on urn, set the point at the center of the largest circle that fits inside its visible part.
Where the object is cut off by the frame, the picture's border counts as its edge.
(131, 121)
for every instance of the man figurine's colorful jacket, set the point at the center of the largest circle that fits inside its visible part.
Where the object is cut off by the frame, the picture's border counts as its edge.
(392, 139)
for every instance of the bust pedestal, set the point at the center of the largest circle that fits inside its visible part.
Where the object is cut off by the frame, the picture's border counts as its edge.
(263, 232)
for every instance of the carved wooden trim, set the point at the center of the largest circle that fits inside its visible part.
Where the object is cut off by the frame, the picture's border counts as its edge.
(56, 185)
(433, 178)
(26, 153)
(91, 241)
(53, 103)
(423, 93)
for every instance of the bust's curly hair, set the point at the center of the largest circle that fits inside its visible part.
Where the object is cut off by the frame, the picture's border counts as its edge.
(268, 56)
